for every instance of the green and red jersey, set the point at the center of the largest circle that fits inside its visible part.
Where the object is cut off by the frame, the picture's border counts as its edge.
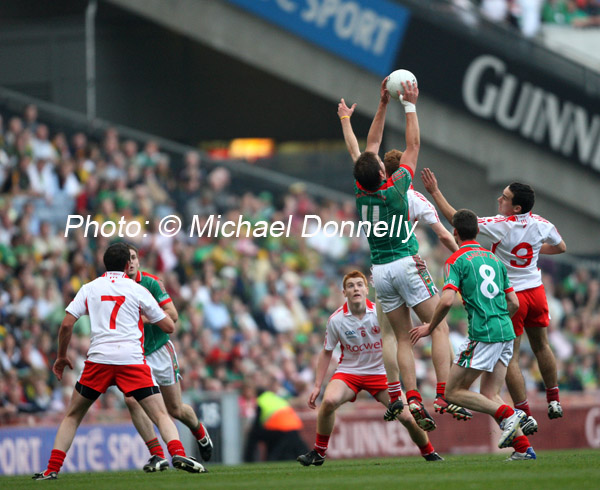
(388, 204)
(479, 276)
(154, 337)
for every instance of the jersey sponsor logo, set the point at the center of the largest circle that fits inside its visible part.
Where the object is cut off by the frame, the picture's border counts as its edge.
(350, 334)
(482, 253)
(364, 347)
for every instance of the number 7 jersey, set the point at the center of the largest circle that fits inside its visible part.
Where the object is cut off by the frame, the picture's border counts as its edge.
(481, 279)
(115, 303)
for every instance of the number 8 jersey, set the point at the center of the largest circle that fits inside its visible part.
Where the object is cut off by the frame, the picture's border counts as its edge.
(115, 303)
(481, 279)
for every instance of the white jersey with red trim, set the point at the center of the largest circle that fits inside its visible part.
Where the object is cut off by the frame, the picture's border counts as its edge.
(360, 341)
(115, 303)
(420, 209)
(517, 241)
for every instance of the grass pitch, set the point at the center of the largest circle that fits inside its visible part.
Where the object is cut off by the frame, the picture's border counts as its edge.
(576, 469)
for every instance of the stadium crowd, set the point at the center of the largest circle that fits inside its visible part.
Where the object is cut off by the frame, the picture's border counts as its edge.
(252, 311)
(528, 15)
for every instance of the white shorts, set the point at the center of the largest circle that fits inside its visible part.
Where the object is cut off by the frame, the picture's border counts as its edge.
(165, 367)
(402, 281)
(484, 356)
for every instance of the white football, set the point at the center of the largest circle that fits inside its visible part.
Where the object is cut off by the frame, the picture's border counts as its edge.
(394, 83)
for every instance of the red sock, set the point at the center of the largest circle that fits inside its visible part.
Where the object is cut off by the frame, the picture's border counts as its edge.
(175, 448)
(199, 433)
(520, 444)
(57, 458)
(321, 444)
(155, 448)
(441, 389)
(552, 394)
(413, 394)
(524, 405)
(503, 412)
(426, 449)
(394, 390)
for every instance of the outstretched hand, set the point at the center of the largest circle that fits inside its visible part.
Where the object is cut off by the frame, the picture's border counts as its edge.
(411, 93)
(383, 92)
(314, 394)
(59, 366)
(344, 110)
(429, 180)
(418, 332)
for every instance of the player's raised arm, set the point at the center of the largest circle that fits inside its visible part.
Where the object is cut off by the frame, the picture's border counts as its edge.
(322, 365)
(413, 133)
(444, 236)
(423, 211)
(375, 135)
(345, 113)
(431, 185)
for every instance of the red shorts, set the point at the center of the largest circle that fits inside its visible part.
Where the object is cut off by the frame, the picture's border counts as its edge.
(127, 377)
(533, 310)
(373, 383)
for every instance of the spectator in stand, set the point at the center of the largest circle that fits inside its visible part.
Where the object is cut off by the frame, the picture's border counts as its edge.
(495, 10)
(42, 146)
(30, 116)
(590, 10)
(14, 129)
(562, 12)
(150, 156)
(191, 167)
(529, 12)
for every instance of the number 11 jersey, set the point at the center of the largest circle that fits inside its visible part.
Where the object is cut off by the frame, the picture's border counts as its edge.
(388, 205)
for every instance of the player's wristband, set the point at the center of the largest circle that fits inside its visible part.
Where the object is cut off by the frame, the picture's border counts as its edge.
(409, 107)
(344, 117)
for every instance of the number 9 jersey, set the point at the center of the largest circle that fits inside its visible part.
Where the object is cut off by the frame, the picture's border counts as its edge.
(481, 279)
(517, 241)
(115, 304)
